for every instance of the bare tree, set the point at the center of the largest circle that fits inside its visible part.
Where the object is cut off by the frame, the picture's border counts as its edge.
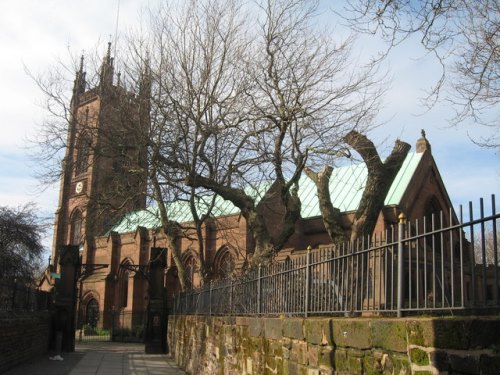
(489, 244)
(197, 105)
(21, 233)
(307, 94)
(58, 87)
(463, 35)
(241, 98)
(243, 111)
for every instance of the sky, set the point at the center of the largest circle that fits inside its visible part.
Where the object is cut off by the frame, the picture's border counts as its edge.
(35, 34)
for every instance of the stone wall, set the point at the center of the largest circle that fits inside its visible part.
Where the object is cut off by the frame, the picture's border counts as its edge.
(314, 346)
(23, 336)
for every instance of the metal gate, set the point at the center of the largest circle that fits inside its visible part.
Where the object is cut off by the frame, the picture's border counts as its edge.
(148, 326)
(109, 325)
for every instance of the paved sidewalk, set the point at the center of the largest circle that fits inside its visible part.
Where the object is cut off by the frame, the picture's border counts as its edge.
(102, 358)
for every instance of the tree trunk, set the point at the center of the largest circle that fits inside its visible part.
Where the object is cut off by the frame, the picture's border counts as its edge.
(171, 230)
(331, 215)
(380, 178)
(264, 248)
(292, 206)
(265, 245)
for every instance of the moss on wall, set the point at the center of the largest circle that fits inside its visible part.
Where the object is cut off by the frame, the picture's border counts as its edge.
(254, 346)
(419, 357)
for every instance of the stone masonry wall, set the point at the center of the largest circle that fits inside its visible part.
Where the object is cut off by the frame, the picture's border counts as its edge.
(320, 346)
(23, 336)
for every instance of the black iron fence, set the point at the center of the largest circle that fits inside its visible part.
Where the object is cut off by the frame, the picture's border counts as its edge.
(16, 296)
(438, 264)
(112, 325)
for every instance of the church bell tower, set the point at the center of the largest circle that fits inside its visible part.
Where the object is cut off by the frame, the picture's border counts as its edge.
(104, 168)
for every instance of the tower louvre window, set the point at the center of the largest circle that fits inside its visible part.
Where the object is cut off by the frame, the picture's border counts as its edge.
(82, 155)
(76, 228)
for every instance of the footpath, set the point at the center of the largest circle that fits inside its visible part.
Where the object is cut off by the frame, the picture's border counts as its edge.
(102, 358)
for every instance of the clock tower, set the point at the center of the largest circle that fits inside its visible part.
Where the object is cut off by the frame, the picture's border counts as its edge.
(104, 170)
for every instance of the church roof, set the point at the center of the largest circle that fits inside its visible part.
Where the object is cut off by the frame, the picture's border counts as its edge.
(346, 188)
(347, 185)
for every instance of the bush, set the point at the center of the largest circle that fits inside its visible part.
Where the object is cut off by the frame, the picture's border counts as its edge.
(88, 330)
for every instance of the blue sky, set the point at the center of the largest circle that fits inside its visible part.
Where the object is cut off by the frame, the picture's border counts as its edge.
(36, 33)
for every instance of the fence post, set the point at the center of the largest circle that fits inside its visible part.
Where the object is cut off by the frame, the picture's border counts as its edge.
(186, 302)
(14, 292)
(308, 281)
(259, 286)
(402, 222)
(121, 323)
(210, 299)
(112, 333)
(231, 297)
(27, 298)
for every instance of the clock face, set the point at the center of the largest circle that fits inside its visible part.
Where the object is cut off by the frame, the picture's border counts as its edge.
(79, 187)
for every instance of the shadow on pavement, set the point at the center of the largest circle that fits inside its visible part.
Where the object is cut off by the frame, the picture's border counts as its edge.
(44, 366)
(101, 358)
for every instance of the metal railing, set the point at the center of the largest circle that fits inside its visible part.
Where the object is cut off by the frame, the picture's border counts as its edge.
(18, 297)
(439, 264)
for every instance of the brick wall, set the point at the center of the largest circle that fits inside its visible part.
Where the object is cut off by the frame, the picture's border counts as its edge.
(320, 346)
(23, 336)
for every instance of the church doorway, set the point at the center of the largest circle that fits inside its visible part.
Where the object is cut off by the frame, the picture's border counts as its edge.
(90, 325)
(92, 313)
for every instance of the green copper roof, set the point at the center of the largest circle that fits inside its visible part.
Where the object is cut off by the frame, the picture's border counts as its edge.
(403, 179)
(347, 184)
(147, 218)
(180, 211)
(346, 188)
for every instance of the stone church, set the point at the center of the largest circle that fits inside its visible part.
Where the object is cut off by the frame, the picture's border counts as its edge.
(109, 130)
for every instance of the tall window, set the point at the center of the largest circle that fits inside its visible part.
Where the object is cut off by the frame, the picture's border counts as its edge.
(124, 289)
(190, 267)
(76, 227)
(225, 266)
(82, 154)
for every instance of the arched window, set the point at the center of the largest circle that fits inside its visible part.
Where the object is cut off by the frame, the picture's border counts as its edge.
(82, 154)
(76, 228)
(224, 263)
(190, 267)
(226, 266)
(92, 313)
(123, 279)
